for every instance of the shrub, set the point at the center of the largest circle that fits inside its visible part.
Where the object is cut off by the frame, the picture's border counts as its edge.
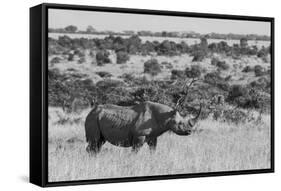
(266, 59)
(247, 69)
(214, 61)
(243, 42)
(111, 91)
(213, 78)
(81, 60)
(92, 54)
(65, 41)
(78, 104)
(70, 57)
(235, 116)
(134, 44)
(262, 83)
(167, 48)
(79, 53)
(152, 92)
(167, 65)
(263, 52)
(235, 92)
(249, 97)
(222, 47)
(199, 56)
(55, 60)
(108, 84)
(104, 74)
(223, 85)
(102, 57)
(176, 74)
(152, 67)
(127, 77)
(62, 88)
(122, 57)
(227, 78)
(258, 70)
(220, 64)
(193, 72)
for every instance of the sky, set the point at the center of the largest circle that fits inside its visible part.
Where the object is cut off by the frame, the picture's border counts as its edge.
(60, 18)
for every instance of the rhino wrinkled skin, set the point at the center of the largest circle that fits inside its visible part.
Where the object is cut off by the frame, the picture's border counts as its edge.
(134, 125)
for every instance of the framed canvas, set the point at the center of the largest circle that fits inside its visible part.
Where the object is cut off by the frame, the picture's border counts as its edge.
(121, 95)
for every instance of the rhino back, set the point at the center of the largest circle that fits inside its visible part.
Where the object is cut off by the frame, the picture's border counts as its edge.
(116, 123)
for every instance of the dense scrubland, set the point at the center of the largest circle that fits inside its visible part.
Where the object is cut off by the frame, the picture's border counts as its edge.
(233, 84)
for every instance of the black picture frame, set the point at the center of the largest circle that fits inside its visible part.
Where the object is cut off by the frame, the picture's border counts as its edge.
(39, 91)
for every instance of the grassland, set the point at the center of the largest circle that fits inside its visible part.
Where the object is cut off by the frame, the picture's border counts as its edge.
(220, 144)
(215, 147)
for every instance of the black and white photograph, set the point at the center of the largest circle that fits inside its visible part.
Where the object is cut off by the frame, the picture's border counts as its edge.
(143, 95)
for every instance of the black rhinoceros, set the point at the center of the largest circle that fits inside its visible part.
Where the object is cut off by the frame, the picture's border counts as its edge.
(133, 126)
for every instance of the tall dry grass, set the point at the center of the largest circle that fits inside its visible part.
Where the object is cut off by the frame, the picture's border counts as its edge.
(218, 147)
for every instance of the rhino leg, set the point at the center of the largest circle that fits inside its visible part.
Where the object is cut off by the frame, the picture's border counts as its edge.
(94, 146)
(94, 136)
(152, 143)
(137, 143)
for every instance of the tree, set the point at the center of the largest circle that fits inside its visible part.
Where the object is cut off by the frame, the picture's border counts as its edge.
(71, 29)
(90, 29)
(243, 42)
(152, 67)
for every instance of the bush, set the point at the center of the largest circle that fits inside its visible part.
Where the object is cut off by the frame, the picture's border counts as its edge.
(122, 57)
(247, 69)
(107, 84)
(78, 104)
(235, 116)
(243, 42)
(167, 48)
(213, 78)
(134, 44)
(177, 74)
(258, 70)
(249, 97)
(167, 65)
(193, 72)
(127, 77)
(263, 52)
(102, 57)
(222, 47)
(223, 85)
(262, 83)
(55, 60)
(63, 88)
(70, 57)
(104, 74)
(79, 53)
(111, 92)
(216, 80)
(152, 67)
(220, 64)
(235, 92)
(227, 78)
(81, 60)
(214, 61)
(199, 56)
